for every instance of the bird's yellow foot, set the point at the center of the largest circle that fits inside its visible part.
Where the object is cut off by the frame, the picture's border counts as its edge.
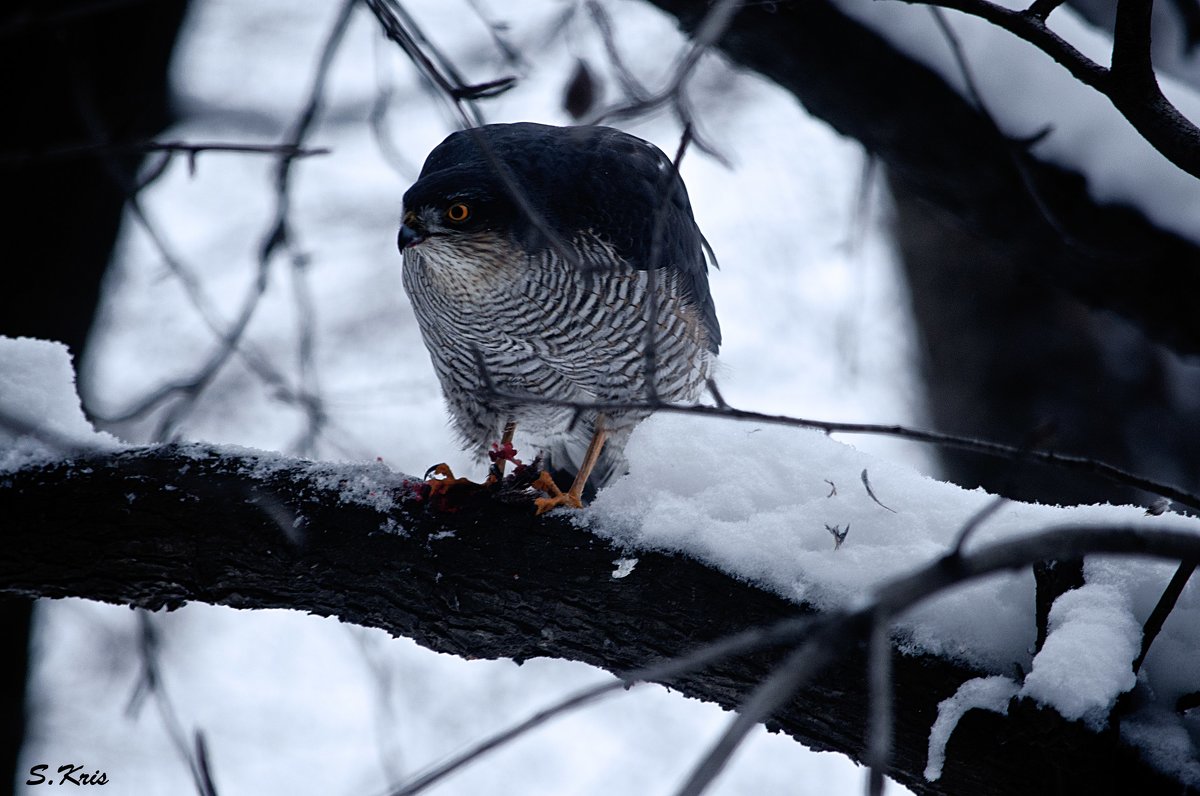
(446, 492)
(555, 496)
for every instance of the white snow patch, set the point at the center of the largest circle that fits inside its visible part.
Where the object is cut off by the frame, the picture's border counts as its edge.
(1165, 741)
(624, 566)
(375, 485)
(754, 501)
(41, 417)
(984, 693)
(1087, 660)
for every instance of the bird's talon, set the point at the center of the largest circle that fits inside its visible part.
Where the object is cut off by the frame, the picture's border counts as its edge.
(442, 483)
(544, 483)
(442, 470)
(556, 498)
(558, 501)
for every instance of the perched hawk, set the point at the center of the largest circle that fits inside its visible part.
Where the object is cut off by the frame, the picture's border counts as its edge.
(527, 257)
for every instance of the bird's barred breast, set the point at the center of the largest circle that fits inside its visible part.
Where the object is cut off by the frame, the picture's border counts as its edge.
(551, 329)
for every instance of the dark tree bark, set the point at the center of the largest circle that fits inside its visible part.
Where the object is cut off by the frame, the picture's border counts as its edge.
(72, 73)
(160, 527)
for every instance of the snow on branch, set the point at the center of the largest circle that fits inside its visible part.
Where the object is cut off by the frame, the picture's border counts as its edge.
(159, 527)
(935, 144)
(1129, 84)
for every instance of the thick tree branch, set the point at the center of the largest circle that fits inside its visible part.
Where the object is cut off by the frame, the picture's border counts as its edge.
(159, 527)
(1130, 84)
(1031, 26)
(945, 152)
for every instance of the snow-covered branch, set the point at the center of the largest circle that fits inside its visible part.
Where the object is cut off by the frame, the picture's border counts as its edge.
(1129, 84)
(158, 527)
(939, 147)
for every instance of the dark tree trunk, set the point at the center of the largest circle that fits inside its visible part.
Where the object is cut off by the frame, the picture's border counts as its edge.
(72, 73)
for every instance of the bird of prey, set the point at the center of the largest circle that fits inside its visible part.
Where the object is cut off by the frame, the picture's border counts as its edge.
(536, 258)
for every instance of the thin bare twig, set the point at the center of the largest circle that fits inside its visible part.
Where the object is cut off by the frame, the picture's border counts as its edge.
(378, 119)
(629, 83)
(1130, 85)
(189, 390)
(150, 684)
(1062, 461)
(189, 149)
(496, 30)
(1016, 148)
(837, 631)
(798, 668)
(639, 101)
(1162, 609)
(661, 211)
(783, 632)
(433, 66)
(1042, 8)
(312, 404)
(975, 521)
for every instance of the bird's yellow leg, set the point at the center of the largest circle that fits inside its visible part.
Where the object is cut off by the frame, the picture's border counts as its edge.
(574, 496)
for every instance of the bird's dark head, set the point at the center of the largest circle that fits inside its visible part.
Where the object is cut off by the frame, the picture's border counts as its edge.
(490, 198)
(452, 207)
(527, 185)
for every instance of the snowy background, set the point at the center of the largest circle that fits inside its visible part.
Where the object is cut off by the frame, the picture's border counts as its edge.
(815, 325)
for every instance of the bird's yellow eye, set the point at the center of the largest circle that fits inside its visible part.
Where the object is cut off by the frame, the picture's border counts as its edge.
(458, 212)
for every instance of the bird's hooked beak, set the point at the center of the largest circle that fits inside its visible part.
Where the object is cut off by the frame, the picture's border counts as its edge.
(411, 231)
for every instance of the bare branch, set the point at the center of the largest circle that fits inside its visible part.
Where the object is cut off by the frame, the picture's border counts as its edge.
(1017, 148)
(188, 390)
(191, 150)
(976, 521)
(1131, 47)
(1042, 8)
(194, 754)
(788, 630)
(1032, 28)
(1162, 609)
(674, 93)
(435, 67)
(629, 83)
(661, 213)
(1063, 461)
(496, 30)
(799, 667)
(1130, 84)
